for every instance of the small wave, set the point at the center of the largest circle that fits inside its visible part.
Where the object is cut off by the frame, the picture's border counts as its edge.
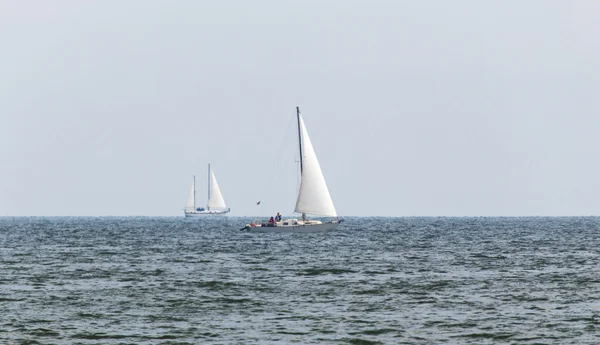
(380, 272)
(498, 336)
(43, 332)
(214, 284)
(91, 315)
(39, 321)
(358, 341)
(165, 318)
(377, 331)
(370, 292)
(227, 300)
(161, 337)
(320, 271)
(28, 342)
(96, 336)
(292, 333)
(107, 253)
(209, 335)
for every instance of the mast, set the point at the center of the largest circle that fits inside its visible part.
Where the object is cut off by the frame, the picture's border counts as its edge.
(300, 146)
(194, 192)
(208, 207)
(299, 138)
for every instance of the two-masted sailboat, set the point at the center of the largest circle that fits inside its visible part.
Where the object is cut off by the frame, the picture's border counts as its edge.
(313, 195)
(215, 205)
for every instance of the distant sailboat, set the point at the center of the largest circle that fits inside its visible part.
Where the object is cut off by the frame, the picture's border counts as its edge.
(313, 196)
(215, 204)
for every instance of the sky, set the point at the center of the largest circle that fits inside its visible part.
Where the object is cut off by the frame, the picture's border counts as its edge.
(414, 108)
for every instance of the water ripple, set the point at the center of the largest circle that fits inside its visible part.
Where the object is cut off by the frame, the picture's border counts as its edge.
(373, 281)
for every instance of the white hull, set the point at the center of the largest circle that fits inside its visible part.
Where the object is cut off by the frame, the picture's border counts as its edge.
(198, 214)
(323, 227)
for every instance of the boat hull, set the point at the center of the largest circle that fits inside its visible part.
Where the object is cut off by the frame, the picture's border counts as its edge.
(323, 227)
(201, 214)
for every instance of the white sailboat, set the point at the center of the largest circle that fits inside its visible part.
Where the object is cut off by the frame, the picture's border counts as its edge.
(215, 204)
(313, 195)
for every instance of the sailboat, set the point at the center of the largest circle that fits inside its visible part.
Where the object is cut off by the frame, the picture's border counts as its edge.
(313, 194)
(215, 204)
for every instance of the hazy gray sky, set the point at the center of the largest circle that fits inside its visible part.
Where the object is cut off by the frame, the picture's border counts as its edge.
(451, 108)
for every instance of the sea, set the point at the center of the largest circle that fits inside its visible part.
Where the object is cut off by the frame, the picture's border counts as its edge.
(171, 280)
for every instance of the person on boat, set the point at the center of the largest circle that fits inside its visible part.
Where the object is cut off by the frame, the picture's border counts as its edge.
(271, 222)
(304, 216)
(278, 217)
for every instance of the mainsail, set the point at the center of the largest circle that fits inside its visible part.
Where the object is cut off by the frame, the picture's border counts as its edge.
(191, 201)
(313, 196)
(215, 200)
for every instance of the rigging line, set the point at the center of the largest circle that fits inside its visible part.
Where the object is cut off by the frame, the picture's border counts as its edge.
(270, 180)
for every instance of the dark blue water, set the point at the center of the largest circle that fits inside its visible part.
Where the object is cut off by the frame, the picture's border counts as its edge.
(372, 281)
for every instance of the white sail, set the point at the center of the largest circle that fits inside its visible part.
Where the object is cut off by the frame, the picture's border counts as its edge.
(191, 204)
(313, 197)
(216, 200)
